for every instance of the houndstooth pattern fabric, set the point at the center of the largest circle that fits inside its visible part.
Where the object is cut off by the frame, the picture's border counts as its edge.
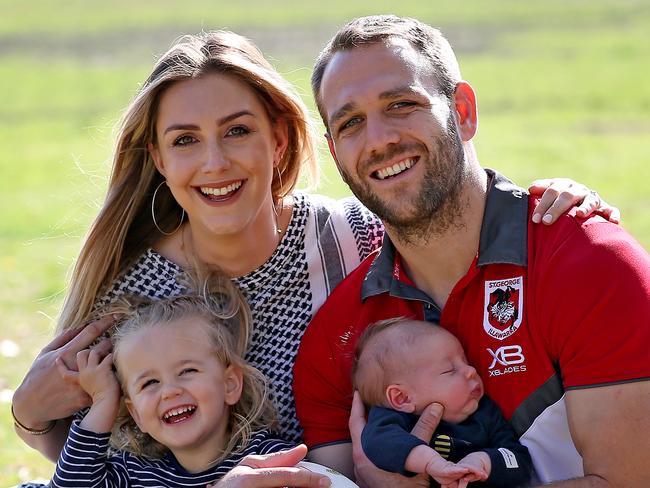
(325, 240)
(367, 228)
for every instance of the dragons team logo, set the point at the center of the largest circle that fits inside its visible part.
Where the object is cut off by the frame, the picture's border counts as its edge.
(503, 306)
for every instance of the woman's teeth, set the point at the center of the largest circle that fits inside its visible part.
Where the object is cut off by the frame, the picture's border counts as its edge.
(395, 169)
(220, 192)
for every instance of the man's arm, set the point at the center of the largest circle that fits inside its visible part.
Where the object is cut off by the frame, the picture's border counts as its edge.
(370, 476)
(272, 470)
(592, 307)
(366, 474)
(610, 427)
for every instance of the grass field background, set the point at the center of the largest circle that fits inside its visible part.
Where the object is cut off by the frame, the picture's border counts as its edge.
(562, 89)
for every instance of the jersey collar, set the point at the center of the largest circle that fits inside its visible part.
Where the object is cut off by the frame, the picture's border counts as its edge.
(503, 240)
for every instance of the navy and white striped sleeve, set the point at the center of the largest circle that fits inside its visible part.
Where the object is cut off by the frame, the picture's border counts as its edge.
(268, 442)
(84, 462)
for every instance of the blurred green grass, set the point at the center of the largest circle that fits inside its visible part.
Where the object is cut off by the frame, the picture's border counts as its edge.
(561, 86)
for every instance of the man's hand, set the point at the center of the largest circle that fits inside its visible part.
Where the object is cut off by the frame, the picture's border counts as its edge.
(273, 471)
(367, 474)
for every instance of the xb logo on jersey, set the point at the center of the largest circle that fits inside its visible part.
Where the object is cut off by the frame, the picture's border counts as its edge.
(503, 312)
(509, 360)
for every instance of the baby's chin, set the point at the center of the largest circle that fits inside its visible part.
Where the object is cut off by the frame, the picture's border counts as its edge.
(456, 417)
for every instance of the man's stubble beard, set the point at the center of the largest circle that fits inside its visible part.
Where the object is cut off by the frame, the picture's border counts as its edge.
(437, 207)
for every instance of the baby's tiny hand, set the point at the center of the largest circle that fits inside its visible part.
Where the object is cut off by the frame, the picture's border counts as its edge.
(445, 472)
(478, 464)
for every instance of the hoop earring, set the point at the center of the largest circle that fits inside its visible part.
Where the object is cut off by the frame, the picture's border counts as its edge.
(278, 230)
(279, 198)
(153, 213)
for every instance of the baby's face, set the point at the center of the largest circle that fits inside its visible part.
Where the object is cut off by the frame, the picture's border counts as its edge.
(438, 372)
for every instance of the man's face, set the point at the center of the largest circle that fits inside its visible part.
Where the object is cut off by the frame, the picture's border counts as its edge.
(394, 137)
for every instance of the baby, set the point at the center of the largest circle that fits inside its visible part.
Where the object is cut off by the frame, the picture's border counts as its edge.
(401, 367)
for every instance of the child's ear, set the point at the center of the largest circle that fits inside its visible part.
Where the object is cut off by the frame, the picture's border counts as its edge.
(399, 399)
(233, 381)
(134, 414)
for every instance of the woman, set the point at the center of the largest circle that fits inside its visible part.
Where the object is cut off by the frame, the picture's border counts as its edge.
(207, 158)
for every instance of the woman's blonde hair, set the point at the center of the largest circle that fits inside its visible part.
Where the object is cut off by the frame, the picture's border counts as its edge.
(124, 229)
(219, 305)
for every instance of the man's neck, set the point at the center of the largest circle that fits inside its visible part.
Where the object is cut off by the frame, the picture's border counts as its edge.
(436, 264)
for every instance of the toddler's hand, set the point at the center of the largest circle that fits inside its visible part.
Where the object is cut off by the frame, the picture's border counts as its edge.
(95, 375)
(97, 379)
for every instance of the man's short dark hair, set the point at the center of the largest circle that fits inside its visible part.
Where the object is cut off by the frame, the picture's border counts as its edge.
(376, 29)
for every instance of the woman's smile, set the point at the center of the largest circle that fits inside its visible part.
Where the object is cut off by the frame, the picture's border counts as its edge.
(221, 193)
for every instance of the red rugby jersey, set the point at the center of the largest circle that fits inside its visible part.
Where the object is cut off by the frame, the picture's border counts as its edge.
(542, 309)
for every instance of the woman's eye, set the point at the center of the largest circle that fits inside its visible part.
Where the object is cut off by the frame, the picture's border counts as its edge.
(184, 140)
(237, 131)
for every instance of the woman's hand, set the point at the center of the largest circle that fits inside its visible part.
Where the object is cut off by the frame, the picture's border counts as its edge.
(45, 395)
(561, 194)
(271, 471)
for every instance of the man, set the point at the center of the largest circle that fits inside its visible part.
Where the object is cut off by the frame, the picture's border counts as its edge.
(555, 319)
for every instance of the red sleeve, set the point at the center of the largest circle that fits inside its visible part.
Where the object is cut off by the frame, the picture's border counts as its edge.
(321, 385)
(594, 299)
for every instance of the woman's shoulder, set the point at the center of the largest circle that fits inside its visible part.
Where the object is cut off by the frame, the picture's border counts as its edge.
(150, 275)
(345, 216)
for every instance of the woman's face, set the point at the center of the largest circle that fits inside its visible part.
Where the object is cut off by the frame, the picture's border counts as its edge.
(217, 147)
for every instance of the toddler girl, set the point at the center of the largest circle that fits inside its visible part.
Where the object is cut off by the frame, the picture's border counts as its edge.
(188, 408)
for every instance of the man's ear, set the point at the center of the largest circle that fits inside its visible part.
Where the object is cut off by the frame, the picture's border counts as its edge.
(233, 380)
(134, 414)
(399, 399)
(466, 110)
(330, 145)
(157, 160)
